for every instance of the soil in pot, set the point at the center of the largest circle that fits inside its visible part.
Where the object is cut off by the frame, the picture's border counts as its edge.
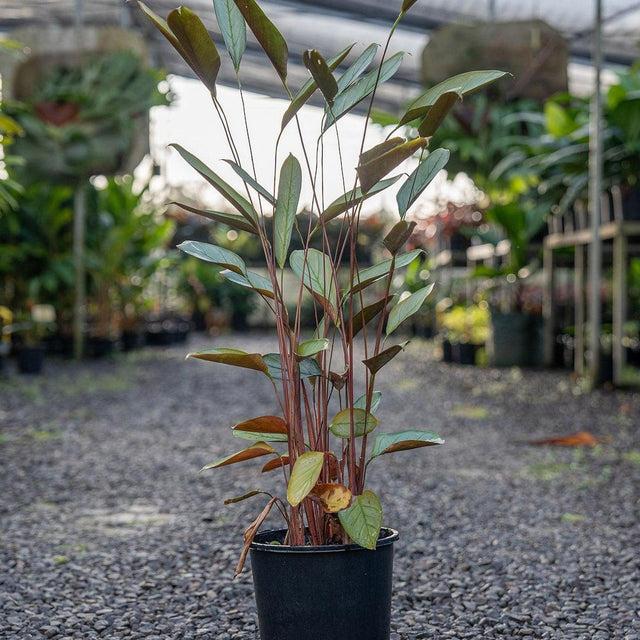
(334, 592)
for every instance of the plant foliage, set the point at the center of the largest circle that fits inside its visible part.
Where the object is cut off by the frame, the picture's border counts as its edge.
(326, 385)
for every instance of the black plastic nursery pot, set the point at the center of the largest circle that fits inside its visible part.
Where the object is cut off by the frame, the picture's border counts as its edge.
(515, 340)
(333, 592)
(464, 352)
(31, 359)
(447, 351)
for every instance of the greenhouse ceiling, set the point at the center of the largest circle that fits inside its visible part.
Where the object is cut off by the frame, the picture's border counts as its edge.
(329, 25)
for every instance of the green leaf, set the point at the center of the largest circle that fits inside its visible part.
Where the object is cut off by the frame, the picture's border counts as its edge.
(319, 70)
(438, 112)
(309, 88)
(364, 316)
(361, 402)
(420, 179)
(231, 219)
(358, 67)
(399, 234)
(284, 216)
(316, 272)
(384, 118)
(352, 199)
(311, 347)
(363, 519)
(403, 441)
(254, 451)
(233, 28)
(250, 280)
(363, 422)
(375, 363)
(257, 435)
(377, 168)
(558, 121)
(304, 476)
(229, 193)
(232, 357)
(309, 368)
(201, 52)
(248, 178)
(372, 274)
(359, 90)
(212, 253)
(270, 39)
(9, 127)
(406, 308)
(463, 83)
(265, 425)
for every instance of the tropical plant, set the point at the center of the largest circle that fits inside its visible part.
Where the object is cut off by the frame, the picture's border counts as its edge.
(325, 385)
(469, 324)
(9, 129)
(482, 133)
(519, 225)
(125, 239)
(556, 161)
(125, 242)
(36, 262)
(207, 291)
(34, 324)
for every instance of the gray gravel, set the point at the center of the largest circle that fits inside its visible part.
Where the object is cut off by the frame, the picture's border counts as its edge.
(108, 531)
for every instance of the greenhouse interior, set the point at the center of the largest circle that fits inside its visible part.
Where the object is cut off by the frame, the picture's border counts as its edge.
(308, 192)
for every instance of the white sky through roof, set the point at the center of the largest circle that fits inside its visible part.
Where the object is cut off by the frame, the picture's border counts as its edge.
(193, 123)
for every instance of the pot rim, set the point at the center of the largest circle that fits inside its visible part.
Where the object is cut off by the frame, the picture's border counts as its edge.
(388, 536)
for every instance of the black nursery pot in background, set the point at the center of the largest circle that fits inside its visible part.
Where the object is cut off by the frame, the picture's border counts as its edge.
(30, 359)
(465, 352)
(335, 592)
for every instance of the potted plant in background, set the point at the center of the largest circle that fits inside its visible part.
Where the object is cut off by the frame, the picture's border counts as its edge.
(30, 332)
(515, 337)
(81, 116)
(324, 440)
(555, 162)
(467, 329)
(125, 244)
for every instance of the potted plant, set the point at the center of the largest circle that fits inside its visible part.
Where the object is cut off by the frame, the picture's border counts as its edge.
(489, 144)
(515, 337)
(553, 160)
(467, 329)
(324, 440)
(30, 331)
(124, 246)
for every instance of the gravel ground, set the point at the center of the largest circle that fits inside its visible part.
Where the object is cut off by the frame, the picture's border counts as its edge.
(108, 531)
